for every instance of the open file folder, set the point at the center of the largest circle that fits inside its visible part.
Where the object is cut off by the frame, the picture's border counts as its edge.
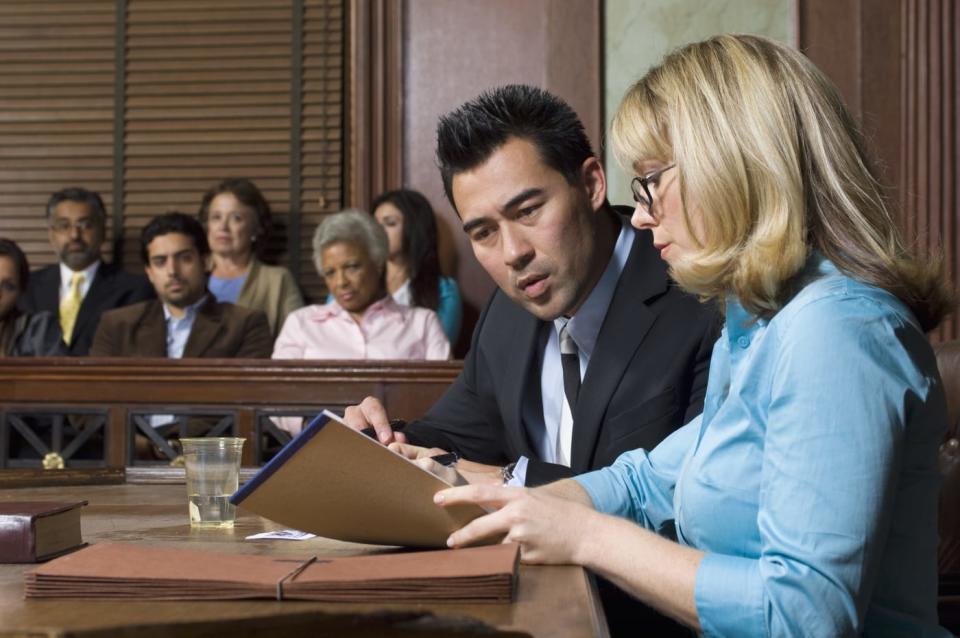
(336, 482)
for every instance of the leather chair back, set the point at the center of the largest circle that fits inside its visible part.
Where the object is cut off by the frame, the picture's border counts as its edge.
(948, 361)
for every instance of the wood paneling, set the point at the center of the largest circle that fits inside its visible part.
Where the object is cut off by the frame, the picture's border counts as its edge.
(455, 49)
(375, 122)
(897, 64)
(929, 189)
(407, 389)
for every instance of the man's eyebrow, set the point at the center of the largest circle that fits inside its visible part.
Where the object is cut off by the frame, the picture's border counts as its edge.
(511, 203)
(473, 223)
(522, 196)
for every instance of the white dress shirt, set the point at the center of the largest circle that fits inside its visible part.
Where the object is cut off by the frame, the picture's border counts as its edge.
(66, 275)
(551, 440)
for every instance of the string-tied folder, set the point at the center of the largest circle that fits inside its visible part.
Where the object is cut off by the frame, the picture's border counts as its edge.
(296, 571)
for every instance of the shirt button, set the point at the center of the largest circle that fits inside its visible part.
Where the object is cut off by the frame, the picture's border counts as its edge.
(743, 342)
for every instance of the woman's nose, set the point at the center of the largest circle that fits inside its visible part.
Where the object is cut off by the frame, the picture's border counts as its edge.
(642, 218)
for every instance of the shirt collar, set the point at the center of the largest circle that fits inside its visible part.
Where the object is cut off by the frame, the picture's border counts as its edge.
(190, 312)
(386, 305)
(585, 325)
(741, 323)
(88, 274)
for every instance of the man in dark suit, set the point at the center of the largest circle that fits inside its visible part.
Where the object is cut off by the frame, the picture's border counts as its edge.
(80, 288)
(186, 320)
(519, 170)
(587, 349)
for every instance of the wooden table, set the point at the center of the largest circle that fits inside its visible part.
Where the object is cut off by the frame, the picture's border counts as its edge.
(550, 601)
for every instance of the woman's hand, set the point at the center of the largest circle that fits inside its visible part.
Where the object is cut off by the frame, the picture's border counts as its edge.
(549, 529)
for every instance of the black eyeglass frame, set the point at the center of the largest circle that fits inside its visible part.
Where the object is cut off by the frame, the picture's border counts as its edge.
(637, 183)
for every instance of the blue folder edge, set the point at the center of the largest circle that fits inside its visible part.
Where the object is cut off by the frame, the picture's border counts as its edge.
(282, 457)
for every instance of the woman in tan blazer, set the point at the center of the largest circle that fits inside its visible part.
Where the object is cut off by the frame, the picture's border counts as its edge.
(238, 221)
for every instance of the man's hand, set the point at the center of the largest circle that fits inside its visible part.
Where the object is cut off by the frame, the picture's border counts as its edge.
(460, 474)
(371, 414)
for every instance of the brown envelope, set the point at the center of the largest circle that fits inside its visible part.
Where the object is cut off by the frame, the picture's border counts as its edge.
(126, 571)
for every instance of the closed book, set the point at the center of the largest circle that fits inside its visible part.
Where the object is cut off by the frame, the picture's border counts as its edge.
(34, 531)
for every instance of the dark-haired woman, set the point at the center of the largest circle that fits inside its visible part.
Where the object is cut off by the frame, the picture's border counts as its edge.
(238, 222)
(23, 334)
(413, 267)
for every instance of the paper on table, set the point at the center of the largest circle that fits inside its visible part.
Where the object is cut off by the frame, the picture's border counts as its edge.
(336, 482)
(283, 535)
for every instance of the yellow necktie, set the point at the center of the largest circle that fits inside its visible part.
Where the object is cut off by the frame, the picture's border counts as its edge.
(70, 307)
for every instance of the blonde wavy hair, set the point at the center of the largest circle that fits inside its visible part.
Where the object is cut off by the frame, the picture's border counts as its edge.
(776, 167)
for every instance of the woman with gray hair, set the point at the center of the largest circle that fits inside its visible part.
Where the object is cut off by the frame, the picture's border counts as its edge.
(361, 321)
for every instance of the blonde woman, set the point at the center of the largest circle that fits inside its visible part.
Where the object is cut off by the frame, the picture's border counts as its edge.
(803, 500)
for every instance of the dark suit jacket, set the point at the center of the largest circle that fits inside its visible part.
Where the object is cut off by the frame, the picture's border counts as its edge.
(647, 376)
(37, 335)
(221, 330)
(112, 288)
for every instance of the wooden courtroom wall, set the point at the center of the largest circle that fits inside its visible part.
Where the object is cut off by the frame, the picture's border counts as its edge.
(151, 102)
(324, 103)
(897, 63)
(453, 50)
(412, 61)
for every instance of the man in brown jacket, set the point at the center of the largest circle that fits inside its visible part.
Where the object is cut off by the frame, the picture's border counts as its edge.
(185, 320)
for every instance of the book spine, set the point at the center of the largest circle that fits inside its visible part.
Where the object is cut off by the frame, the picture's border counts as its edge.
(17, 539)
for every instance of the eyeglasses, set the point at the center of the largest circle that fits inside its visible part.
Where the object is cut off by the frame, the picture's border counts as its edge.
(65, 225)
(641, 187)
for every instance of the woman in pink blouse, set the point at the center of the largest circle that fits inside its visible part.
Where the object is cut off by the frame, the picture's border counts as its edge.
(362, 321)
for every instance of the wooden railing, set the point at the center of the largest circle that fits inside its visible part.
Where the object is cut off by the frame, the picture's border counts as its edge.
(67, 404)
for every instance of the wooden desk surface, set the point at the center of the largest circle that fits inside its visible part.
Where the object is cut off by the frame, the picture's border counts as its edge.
(550, 601)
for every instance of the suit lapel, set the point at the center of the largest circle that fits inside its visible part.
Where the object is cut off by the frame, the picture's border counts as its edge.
(519, 359)
(205, 328)
(91, 306)
(150, 337)
(45, 290)
(624, 327)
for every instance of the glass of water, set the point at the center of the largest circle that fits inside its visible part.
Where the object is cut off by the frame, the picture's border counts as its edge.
(213, 474)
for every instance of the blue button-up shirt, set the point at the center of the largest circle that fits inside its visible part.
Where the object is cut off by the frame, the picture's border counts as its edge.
(810, 479)
(179, 328)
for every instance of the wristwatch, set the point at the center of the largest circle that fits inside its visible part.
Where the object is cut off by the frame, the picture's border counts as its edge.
(506, 472)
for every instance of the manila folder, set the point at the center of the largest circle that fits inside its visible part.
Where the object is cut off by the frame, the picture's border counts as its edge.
(339, 483)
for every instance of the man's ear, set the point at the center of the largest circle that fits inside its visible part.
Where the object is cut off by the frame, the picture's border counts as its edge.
(149, 274)
(595, 182)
